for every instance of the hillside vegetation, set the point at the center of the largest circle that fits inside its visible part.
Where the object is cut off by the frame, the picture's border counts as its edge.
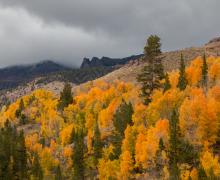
(129, 72)
(106, 131)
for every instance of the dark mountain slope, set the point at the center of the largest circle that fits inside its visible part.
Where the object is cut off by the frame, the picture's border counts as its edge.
(13, 76)
(77, 76)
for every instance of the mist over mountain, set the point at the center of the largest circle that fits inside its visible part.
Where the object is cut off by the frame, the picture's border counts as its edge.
(48, 70)
(15, 75)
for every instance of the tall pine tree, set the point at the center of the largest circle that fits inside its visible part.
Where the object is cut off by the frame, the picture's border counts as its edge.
(159, 162)
(7, 149)
(153, 72)
(146, 79)
(174, 141)
(18, 112)
(66, 97)
(204, 79)
(167, 84)
(182, 83)
(5, 144)
(58, 173)
(97, 144)
(78, 155)
(121, 118)
(20, 158)
(36, 170)
(180, 151)
(13, 155)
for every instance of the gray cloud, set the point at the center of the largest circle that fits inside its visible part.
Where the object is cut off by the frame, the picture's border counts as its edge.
(68, 30)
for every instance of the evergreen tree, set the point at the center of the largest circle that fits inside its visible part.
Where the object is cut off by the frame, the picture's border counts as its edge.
(153, 72)
(121, 118)
(146, 80)
(7, 149)
(188, 154)
(158, 159)
(97, 143)
(180, 151)
(161, 145)
(174, 141)
(37, 172)
(78, 155)
(21, 105)
(13, 156)
(66, 97)
(201, 174)
(4, 171)
(182, 83)
(58, 174)
(20, 109)
(204, 79)
(153, 47)
(20, 158)
(23, 119)
(167, 84)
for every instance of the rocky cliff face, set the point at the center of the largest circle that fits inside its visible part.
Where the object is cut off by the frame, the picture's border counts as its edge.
(106, 61)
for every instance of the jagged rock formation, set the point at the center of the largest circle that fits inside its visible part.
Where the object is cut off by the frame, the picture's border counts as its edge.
(106, 61)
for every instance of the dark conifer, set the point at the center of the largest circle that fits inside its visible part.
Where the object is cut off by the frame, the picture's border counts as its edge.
(66, 97)
(37, 171)
(20, 109)
(167, 84)
(159, 160)
(174, 141)
(153, 72)
(78, 155)
(182, 83)
(20, 158)
(204, 79)
(121, 118)
(58, 173)
(97, 143)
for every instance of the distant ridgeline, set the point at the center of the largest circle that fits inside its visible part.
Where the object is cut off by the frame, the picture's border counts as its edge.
(48, 71)
(14, 76)
(106, 61)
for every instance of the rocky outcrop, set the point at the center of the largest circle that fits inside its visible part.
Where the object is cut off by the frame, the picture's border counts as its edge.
(108, 62)
(85, 63)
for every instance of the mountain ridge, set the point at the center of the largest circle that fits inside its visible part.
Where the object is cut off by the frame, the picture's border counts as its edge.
(13, 76)
(48, 70)
(107, 61)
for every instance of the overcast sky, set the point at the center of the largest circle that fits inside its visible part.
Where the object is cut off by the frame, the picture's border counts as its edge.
(68, 30)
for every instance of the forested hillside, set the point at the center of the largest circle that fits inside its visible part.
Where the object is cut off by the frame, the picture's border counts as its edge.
(105, 131)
